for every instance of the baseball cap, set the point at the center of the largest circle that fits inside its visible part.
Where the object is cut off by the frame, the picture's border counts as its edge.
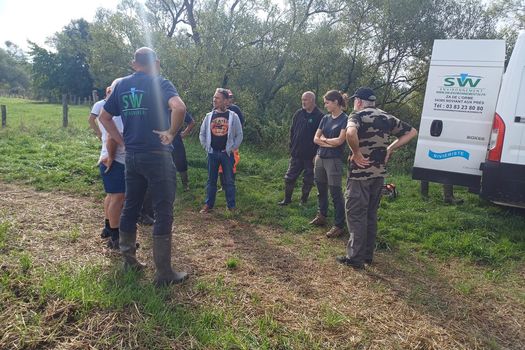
(364, 93)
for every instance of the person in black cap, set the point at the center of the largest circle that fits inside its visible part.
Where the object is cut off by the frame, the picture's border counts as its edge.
(367, 134)
(305, 122)
(152, 113)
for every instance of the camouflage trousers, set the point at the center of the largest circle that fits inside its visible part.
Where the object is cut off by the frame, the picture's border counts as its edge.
(362, 201)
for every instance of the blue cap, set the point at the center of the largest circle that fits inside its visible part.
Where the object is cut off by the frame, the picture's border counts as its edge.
(364, 93)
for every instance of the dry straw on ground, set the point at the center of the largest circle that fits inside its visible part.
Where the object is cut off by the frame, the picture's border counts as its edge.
(389, 306)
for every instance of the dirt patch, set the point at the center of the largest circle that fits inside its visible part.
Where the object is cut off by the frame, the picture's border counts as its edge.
(385, 307)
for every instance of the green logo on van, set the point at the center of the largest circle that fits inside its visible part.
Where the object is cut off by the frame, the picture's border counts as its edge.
(461, 80)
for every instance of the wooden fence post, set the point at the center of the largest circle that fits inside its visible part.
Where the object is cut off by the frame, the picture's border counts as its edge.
(64, 110)
(4, 116)
(94, 95)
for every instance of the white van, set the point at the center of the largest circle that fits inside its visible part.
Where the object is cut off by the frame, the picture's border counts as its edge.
(472, 130)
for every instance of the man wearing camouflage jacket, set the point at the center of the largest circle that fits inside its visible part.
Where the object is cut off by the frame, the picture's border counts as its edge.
(367, 134)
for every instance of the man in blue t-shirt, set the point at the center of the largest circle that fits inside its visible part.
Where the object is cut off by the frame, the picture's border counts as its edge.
(144, 100)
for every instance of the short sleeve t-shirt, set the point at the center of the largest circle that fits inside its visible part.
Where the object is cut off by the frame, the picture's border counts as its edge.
(331, 128)
(120, 154)
(97, 107)
(374, 127)
(142, 101)
(219, 130)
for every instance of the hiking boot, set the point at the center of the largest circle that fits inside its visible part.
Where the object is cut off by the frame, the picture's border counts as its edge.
(368, 261)
(164, 274)
(113, 244)
(335, 232)
(349, 262)
(106, 233)
(128, 248)
(114, 238)
(319, 220)
(205, 209)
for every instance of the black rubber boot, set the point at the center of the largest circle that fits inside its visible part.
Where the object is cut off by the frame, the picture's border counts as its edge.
(184, 180)
(305, 193)
(128, 248)
(448, 195)
(288, 192)
(162, 257)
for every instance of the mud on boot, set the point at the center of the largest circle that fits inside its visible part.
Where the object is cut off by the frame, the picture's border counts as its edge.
(164, 274)
(128, 248)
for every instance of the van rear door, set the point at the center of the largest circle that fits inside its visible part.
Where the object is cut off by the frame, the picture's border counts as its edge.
(519, 118)
(503, 180)
(460, 100)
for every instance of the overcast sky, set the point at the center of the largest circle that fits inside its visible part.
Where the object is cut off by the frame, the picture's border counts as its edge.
(36, 20)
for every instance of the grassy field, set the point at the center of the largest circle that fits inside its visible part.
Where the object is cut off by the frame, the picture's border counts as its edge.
(446, 277)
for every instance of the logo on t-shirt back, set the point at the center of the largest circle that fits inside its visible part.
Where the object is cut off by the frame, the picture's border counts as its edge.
(132, 103)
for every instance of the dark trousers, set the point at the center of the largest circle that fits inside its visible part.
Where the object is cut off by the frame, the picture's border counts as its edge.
(328, 176)
(179, 155)
(337, 200)
(296, 166)
(156, 172)
(215, 159)
(362, 202)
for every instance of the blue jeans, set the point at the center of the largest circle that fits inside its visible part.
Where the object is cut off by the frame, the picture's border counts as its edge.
(226, 161)
(154, 171)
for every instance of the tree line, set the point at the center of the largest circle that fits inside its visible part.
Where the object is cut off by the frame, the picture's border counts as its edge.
(267, 53)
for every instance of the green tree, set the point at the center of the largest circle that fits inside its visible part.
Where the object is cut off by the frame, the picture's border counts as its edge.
(65, 71)
(14, 77)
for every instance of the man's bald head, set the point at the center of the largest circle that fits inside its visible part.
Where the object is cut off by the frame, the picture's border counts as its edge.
(146, 60)
(308, 101)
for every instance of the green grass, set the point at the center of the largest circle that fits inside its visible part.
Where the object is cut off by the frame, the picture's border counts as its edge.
(331, 318)
(36, 150)
(232, 263)
(4, 227)
(89, 290)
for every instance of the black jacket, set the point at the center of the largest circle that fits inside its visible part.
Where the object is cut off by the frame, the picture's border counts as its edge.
(302, 132)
